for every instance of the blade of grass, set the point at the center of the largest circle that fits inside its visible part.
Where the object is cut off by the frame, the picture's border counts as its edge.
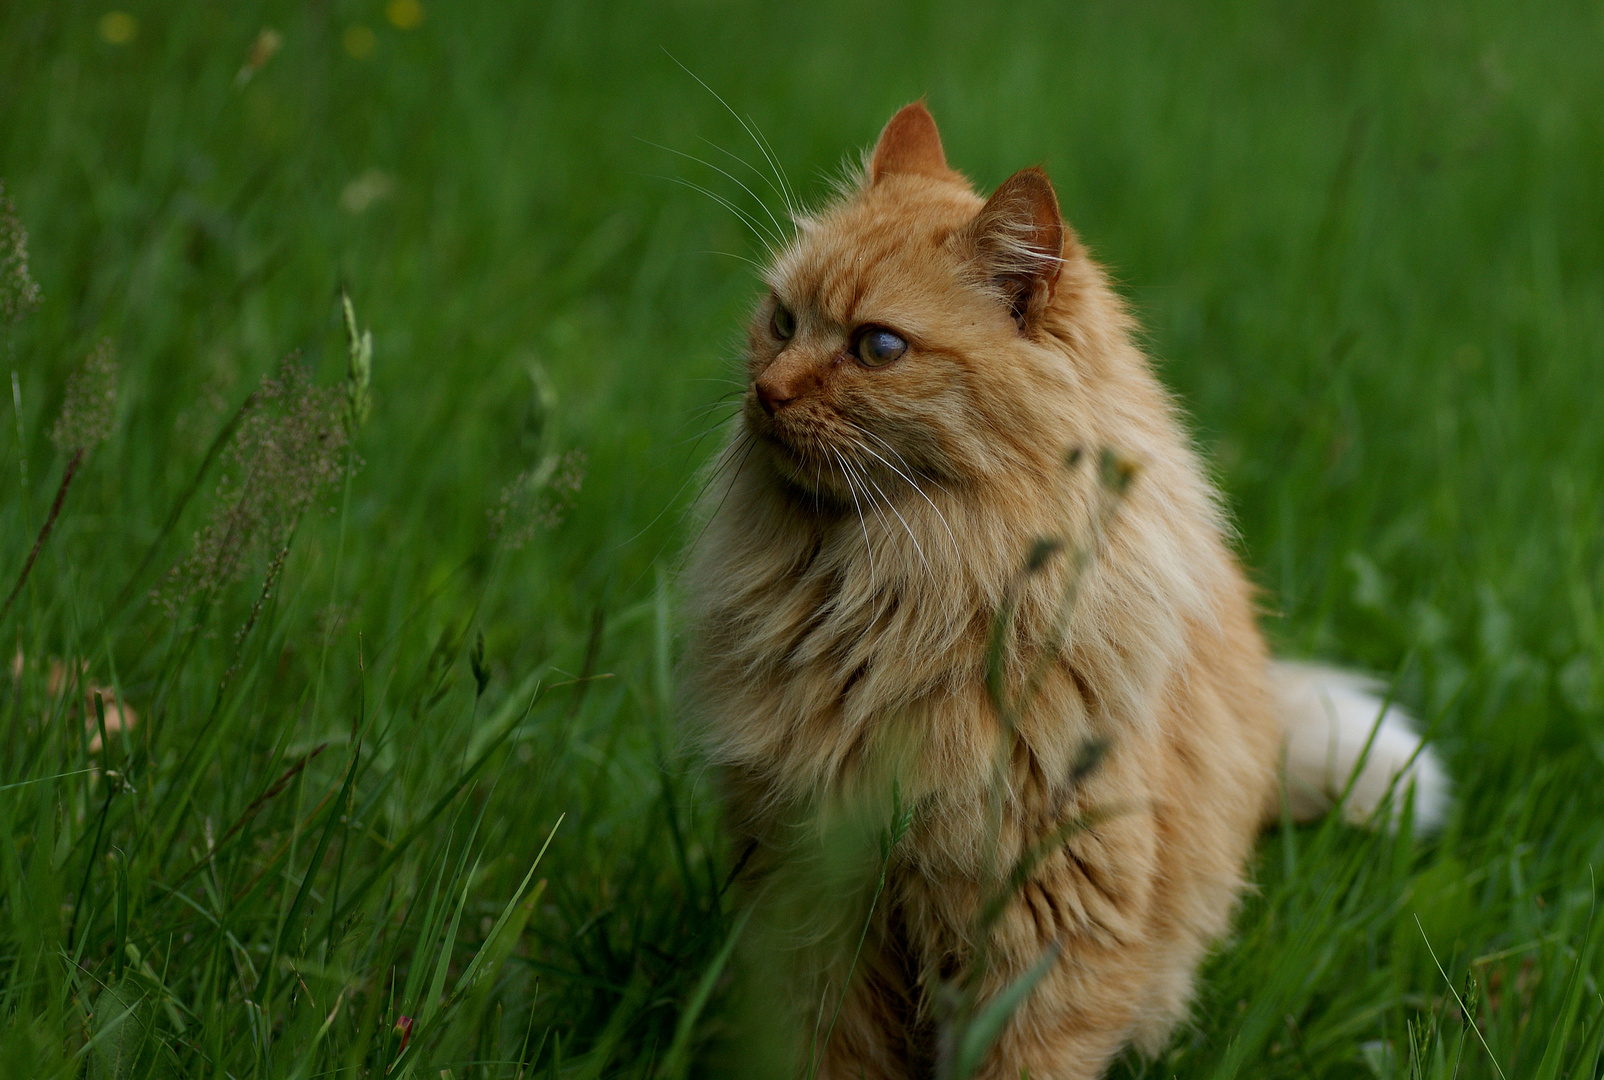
(677, 1061)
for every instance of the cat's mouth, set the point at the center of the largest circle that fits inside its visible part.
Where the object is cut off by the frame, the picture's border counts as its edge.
(800, 457)
(804, 453)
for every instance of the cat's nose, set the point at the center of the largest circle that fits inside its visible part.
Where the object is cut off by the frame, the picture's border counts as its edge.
(773, 393)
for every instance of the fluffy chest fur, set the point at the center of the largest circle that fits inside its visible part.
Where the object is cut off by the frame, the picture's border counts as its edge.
(840, 648)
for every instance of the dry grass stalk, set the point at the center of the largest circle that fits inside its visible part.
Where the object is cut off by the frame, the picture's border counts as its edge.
(87, 412)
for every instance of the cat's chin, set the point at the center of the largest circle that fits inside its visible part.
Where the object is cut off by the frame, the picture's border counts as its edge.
(790, 466)
(808, 478)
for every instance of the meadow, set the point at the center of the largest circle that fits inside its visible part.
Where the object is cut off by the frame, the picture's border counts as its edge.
(332, 699)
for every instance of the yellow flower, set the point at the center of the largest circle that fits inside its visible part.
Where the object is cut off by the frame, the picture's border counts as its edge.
(118, 27)
(404, 14)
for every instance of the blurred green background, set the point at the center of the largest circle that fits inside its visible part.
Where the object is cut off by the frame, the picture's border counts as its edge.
(1366, 244)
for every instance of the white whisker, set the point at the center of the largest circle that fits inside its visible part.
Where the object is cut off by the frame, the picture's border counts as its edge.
(771, 240)
(868, 548)
(750, 442)
(778, 228)
(914, 483)
(759, 267)
(892, 507)
(722, 402)
(762, 149)
(785, 195)
(791, 202)
(892, 449)
(858, 476)
(712, 475)
(693, 441)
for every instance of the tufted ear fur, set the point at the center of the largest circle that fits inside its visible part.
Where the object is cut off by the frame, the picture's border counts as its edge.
(1017, 243)
(910, 143)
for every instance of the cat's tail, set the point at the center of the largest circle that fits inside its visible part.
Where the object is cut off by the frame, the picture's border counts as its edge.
(1334, 718)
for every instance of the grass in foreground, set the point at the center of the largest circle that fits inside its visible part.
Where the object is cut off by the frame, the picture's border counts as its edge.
(1367, 247)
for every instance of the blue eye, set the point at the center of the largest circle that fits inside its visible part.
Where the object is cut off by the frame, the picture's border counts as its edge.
(877, 347)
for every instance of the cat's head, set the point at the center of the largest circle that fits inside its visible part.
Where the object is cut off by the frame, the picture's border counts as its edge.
(914, 329)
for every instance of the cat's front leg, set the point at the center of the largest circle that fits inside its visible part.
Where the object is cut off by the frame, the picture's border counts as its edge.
(1074, 1023)
(873, 1032)
(1091, 905)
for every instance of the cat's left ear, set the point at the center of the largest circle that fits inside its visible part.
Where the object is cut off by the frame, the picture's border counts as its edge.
(1017, 243)
(910, 143)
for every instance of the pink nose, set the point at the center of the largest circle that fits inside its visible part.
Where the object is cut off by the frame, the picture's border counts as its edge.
(773, 393)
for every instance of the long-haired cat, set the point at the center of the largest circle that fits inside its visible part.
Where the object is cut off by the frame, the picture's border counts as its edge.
(966, 569)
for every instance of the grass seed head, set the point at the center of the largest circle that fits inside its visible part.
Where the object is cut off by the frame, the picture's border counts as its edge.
(288, 453)
(90, 403)
(19, 292)
(537, 499)
(359, 370)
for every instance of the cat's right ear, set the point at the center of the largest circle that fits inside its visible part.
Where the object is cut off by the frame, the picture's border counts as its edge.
(910, 143)
(1017, 243)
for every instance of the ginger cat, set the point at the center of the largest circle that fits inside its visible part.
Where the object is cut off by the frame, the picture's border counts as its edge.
(966, 573)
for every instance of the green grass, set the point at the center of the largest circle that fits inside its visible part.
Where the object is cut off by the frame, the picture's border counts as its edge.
(1367, 244)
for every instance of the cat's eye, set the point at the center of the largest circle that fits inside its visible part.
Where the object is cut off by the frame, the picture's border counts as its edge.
(878, 346)
(782, 323)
